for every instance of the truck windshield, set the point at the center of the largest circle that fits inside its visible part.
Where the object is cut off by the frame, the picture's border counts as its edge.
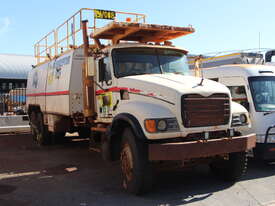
(263, 92)
(137, 61)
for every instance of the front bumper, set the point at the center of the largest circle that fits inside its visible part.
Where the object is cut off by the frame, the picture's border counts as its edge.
(200, 149)
(265, 150)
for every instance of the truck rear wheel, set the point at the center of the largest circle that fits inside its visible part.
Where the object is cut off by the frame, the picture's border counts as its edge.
(136, 170)
(84, 132)
(58, 137)
(42, 134)
(33, 125)
(231, 169)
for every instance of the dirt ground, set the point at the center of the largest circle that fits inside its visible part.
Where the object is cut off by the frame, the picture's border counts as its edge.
(73, 175)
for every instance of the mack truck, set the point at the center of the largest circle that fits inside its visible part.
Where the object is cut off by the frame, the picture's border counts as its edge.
(125, 86)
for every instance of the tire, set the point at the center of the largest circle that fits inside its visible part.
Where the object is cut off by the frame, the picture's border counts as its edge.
(43, 136)
(232, 168)
(95, 139)
(84, 132)
(136, 170)
(58, 137)
(33, 125)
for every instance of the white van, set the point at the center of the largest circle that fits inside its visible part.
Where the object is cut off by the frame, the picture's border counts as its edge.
(253, 86)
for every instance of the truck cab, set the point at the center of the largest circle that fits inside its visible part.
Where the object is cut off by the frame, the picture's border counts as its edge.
(153, 83)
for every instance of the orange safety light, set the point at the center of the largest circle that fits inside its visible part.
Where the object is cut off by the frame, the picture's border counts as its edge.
(150, 125)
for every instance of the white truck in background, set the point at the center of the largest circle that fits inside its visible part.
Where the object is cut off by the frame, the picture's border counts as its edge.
(269, 57)
(251, 80)
(134, 96)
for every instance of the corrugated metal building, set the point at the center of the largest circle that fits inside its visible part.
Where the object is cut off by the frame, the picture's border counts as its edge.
(14, 70)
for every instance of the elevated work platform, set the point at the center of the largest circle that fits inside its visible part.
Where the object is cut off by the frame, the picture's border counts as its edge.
(124, 26)
(68, 35)
(131, 31)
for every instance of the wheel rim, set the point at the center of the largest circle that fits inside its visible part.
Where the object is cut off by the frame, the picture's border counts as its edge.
(127, 162)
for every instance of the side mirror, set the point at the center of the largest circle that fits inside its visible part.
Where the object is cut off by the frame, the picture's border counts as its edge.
(104, 73)
(246, 105)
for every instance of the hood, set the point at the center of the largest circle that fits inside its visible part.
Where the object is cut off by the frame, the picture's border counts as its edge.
(175, 83)
(238, 108)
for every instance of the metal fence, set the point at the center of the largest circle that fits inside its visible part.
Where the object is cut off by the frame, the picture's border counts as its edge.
(13, 101)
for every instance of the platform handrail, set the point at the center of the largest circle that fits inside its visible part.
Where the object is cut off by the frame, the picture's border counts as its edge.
(67, 35)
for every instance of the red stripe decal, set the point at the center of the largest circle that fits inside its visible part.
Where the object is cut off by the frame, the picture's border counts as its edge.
(49, 93)
(99, 92)
(135, 90)
(114, 89)
(151, 94)
(117, 89)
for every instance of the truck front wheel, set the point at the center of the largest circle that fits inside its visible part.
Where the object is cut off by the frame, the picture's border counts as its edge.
(136, 169)
(231, 168)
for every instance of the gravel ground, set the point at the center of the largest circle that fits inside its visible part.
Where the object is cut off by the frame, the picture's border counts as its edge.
(73, 175)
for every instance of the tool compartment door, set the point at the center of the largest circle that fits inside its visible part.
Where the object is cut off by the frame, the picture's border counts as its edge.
(36, 86)
(58, 84)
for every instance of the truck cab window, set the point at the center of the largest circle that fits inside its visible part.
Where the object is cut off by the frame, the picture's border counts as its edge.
(263, 92)
(139, 61)
(239, 95)
(104, 71)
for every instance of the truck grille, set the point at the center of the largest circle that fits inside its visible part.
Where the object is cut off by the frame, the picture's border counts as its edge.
(200, 111)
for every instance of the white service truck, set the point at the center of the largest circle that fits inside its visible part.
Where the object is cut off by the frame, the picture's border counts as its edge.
(252, 84)
(138, 101)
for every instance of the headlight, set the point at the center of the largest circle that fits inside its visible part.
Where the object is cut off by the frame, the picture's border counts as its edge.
(161, 125)
(243, 118)
(239, 120)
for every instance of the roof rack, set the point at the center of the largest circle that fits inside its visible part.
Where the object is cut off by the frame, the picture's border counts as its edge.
(140, 32)
(68, 35)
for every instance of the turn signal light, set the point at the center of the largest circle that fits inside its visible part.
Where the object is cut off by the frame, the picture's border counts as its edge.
(150, 125)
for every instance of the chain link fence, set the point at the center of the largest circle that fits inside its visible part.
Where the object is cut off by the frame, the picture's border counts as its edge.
(13, 101)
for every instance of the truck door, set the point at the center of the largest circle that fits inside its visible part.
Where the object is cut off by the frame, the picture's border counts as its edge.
(105, 88)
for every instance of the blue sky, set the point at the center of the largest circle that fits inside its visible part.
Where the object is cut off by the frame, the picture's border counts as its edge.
(221, 25)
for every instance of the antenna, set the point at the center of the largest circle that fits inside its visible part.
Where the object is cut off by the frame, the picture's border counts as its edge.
(259, 41)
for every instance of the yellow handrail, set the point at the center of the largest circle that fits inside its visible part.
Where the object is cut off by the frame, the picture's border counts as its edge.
(68, 35)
